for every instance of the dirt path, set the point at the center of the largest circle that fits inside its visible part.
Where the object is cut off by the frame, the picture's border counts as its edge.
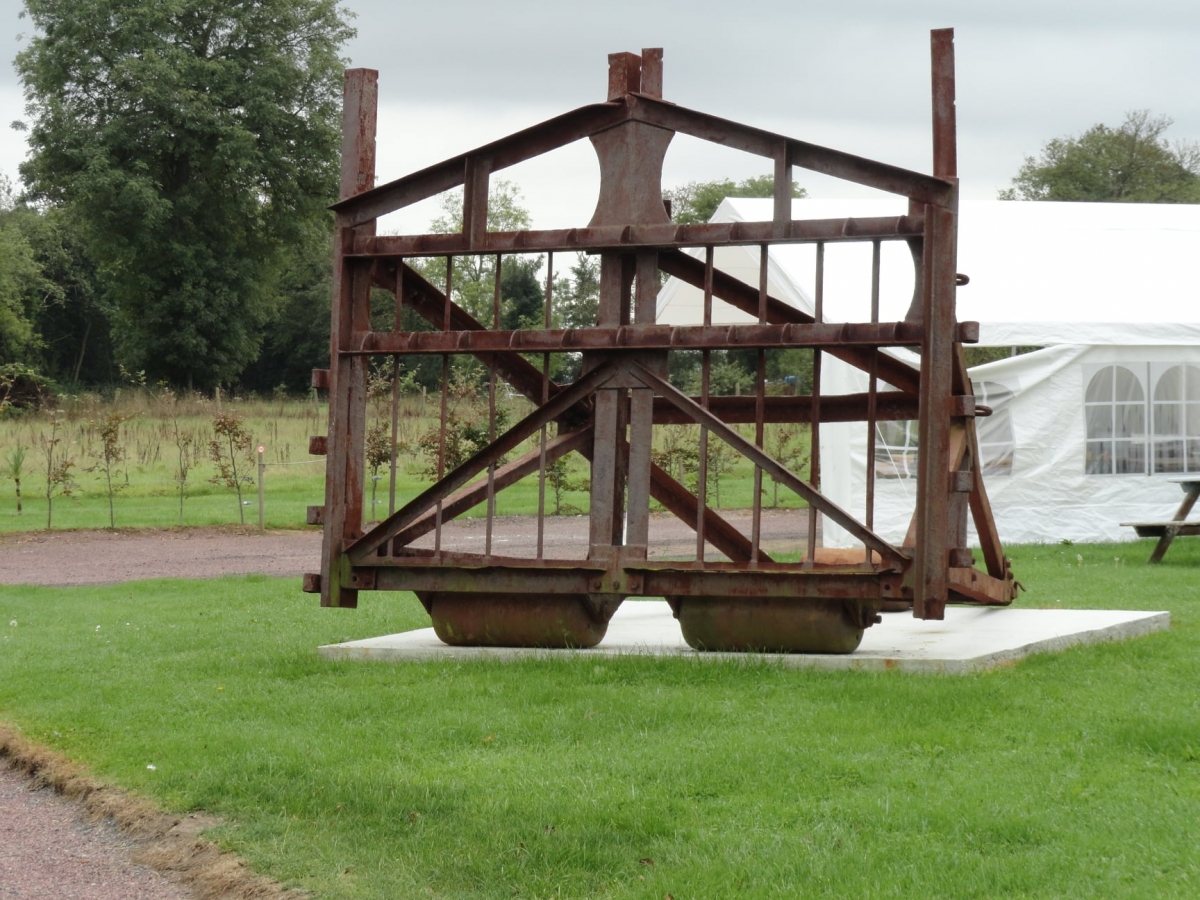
(49, 849)
(64, 558)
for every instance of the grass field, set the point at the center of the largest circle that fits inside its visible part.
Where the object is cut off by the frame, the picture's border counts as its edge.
(147, 494)
(1068, 775)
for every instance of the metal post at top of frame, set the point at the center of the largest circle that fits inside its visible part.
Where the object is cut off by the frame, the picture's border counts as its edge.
(945, 140)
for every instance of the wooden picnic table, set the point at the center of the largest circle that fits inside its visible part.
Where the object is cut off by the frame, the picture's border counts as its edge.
(1166, 532)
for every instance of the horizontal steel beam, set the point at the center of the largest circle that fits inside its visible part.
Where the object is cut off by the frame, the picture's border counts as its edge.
(567, 577)
(639, 337)
(637, 237)
(647, 337)
(890, 406)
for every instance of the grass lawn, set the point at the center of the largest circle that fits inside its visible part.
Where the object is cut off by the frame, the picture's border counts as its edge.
(147, 489)
(1068, 775)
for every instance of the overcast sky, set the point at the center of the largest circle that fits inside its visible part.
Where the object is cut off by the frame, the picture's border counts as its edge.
(455, 74)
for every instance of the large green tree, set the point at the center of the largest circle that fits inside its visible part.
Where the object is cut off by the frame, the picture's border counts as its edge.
(194, 142)
(23, 287)
(1133, 162)
(696, 201)
(297, 340)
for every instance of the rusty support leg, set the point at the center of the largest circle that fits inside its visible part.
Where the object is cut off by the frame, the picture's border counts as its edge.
(934, 536)
(348, 374)
(938, 352)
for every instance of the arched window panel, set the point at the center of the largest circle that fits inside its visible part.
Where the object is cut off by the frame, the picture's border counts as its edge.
(1114, 412)
(1176, 418)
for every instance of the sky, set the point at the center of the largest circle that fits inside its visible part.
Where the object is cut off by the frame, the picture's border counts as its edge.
(455, 74)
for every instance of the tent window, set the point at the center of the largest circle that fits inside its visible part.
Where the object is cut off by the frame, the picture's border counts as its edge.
(1176, 407)
(896, 442)
(1115, 415)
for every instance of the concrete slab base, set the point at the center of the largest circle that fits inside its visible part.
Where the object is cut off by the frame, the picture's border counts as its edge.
(969, 639)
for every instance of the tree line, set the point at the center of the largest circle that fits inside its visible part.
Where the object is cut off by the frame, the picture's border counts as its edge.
(172, 216)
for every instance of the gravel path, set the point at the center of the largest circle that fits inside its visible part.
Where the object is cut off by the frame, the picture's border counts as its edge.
(48, 848)
(64, 558)
(50, 851)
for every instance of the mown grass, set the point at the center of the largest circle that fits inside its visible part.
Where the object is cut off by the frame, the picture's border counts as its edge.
(1068, 775)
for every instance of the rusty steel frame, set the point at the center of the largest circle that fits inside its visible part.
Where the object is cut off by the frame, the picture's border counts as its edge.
(608, 415)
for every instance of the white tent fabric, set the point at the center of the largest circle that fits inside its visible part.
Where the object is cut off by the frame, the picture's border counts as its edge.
(1035, 448)
(1109, 290)
(1041, 273)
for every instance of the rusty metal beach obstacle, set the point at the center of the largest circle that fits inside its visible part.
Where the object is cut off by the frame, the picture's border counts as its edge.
(731, 595)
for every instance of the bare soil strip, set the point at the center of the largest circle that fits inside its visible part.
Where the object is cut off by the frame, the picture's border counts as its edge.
(64, 558)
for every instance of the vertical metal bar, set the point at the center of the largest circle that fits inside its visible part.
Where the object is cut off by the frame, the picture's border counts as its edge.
(491, 472)
(621, 471)
(641, 415)
(607, 435)
(814, 449)
(547, 318)
(397, 325)
(348, 313)
(872, 397)
(444, 406)
(759, 404)
(705, 364)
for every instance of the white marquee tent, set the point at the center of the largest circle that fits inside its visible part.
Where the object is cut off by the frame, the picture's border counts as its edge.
(1087, 432)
